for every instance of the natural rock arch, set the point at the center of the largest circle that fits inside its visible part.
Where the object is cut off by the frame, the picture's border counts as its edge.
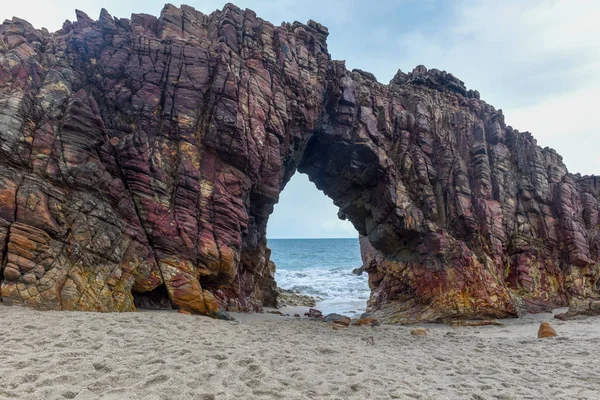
(148, 152)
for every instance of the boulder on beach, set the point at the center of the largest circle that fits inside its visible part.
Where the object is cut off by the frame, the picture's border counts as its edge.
(367, 319)
(337, 319)
(580, 310)
(314, 313)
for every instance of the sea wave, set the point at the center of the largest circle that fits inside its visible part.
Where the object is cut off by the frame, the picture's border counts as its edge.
(338, 289)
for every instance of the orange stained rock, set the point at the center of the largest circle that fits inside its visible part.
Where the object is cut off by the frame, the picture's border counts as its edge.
(546, 330)
(210, 303)
(367, 320)
(8, 190)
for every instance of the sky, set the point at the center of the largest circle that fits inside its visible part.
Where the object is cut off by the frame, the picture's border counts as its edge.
(537, 60)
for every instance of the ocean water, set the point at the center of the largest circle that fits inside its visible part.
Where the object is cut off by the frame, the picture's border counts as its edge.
(323, 268)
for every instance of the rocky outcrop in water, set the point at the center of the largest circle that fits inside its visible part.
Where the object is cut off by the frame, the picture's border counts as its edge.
(140, 160)
(294, 299)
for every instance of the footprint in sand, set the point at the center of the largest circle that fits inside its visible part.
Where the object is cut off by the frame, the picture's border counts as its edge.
(22, 364)
(254, 368)
(245, 361)
(101, 366)
(157, 380)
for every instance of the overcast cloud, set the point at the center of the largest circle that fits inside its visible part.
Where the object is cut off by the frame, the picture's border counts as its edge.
(539, 61)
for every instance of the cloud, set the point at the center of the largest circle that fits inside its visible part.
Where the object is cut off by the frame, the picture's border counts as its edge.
(537, 60)
(305, 212)
(573, 112)
(513, 51)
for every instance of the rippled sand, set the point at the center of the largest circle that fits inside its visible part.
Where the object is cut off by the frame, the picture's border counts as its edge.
(166, 355)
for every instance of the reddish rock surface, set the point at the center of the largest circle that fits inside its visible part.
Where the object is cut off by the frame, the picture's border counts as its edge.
(141, 158)
(546, 330)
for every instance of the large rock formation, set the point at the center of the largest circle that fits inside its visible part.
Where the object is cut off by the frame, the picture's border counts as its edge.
(141, 158)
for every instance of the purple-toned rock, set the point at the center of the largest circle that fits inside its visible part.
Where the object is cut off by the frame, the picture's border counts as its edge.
(314, 313)
(140, 160)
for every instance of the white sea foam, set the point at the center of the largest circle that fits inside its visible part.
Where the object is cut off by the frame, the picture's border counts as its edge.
(339, 289)
(322, 268)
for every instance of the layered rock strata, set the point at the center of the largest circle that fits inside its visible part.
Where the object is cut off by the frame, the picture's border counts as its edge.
(140, 160)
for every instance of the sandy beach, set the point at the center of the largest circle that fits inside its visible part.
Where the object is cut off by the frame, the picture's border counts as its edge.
(166, 355)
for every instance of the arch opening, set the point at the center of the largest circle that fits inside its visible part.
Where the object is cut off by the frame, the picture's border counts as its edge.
(316, 253)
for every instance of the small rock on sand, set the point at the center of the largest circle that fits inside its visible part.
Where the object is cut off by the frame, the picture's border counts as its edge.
(546, 330)
(418, 332)
(337, 319)
(314, 313)
(224, 315)
(367, 319)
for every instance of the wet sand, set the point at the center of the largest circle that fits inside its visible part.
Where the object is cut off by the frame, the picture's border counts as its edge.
(166, 355)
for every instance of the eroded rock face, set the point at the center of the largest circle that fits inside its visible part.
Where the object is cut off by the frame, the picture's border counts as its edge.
(144, 156)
